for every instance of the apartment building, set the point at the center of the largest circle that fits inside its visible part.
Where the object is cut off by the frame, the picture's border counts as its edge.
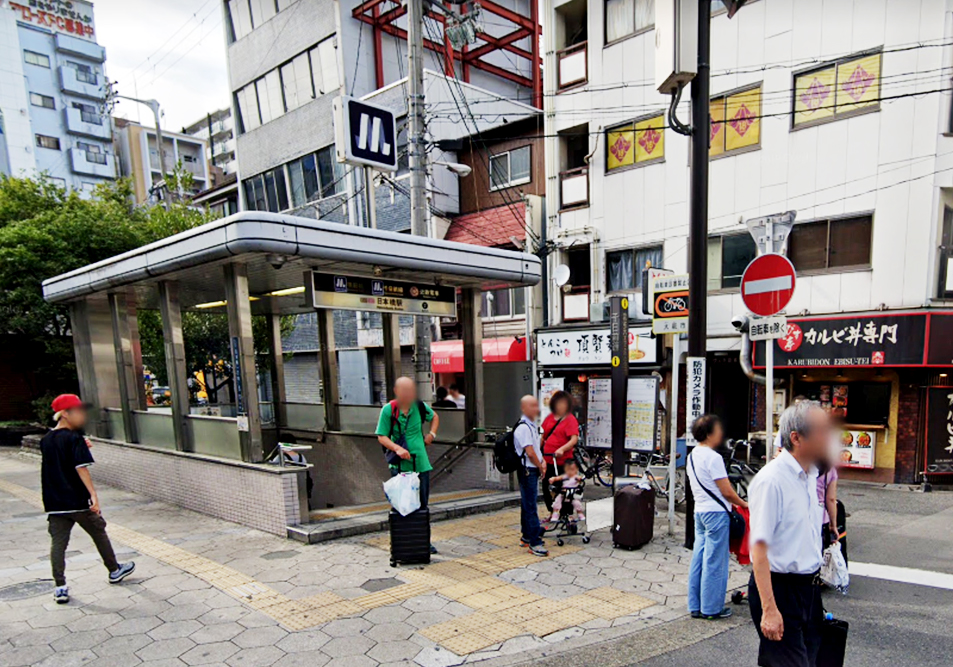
(218, 130)
(137, 149)
(289, 60)
(837, 110)
(51, 94)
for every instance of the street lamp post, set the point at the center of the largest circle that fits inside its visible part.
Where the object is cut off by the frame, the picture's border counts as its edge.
(160, 145)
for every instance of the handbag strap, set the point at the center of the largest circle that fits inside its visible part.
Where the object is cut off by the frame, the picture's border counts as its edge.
(714, 497)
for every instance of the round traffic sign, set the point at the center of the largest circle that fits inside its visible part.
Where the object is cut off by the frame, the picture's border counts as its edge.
(768, 284)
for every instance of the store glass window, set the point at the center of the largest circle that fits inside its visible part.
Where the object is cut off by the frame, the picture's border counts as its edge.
(636, 142)
(728, 257)
(838, 244)
(837, 89)
(735, 121)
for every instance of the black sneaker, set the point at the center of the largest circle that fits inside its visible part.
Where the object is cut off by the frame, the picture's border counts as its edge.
(696, 614)
(724, 613)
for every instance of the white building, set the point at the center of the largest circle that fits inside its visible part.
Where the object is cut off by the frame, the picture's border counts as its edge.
(51, 94)
(838, 110)
(218, 130)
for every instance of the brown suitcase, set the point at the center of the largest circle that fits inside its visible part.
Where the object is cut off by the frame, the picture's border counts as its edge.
(634, 517)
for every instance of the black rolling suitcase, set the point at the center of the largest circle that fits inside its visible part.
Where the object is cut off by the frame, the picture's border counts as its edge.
(410, 536)
(634, 517)
(833, 643)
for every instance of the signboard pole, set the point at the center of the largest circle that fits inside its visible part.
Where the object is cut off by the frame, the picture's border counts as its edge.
(619, 344)
(673, 432)
(769, 398)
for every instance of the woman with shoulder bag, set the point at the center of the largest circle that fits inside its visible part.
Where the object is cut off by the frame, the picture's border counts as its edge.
(560, 436)
(708, 575)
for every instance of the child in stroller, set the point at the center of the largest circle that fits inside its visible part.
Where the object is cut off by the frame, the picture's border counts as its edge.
(567, 504)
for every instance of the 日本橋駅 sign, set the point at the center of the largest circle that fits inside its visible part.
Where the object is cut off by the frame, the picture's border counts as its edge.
(343, 292)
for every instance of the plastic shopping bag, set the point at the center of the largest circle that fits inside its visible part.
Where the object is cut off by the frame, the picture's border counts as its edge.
(834, 568)
(403, 492)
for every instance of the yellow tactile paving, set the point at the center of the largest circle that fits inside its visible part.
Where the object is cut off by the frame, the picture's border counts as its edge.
(501, 610)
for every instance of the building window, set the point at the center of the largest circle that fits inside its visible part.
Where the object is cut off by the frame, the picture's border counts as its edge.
(243, 16)
(289, 86)
(510, 168)
(831, 245)
(635, 143)
(267, 191)
(94, 152)
(88, 188)
(84, 73)
(44, 101)
(88, 113)
(503, 303)
(945, 278)
(331, 172)
(44, 141)
(38, 59)
(735, 121)
(728, 257)
(624, 267)
(58, 182)
(628, 17)
(832, 91)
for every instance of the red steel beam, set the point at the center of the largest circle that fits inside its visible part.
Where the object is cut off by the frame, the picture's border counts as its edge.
(378, 48)
(365, 6)
(505, 42)
(508, 14)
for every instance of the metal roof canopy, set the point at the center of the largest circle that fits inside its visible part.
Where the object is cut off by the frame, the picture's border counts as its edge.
(277, 250)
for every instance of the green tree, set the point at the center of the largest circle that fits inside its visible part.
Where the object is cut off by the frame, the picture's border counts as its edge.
(46, 231)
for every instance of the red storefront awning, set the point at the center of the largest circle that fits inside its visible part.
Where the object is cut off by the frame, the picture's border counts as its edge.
(446, 356)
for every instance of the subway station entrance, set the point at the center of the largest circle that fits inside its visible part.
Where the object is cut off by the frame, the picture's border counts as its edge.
(255, 269)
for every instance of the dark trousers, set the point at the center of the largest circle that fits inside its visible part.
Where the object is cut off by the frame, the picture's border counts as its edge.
(529, 509)
(799, 600)
(548, 495)
(424, 486)
(61, 525)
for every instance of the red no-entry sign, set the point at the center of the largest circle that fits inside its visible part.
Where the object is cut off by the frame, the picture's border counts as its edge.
(768, 284)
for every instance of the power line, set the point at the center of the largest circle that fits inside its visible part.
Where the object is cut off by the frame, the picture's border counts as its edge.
(183, 54)
(171, 37)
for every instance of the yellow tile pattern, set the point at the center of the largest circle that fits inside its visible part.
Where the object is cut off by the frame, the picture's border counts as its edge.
(502, 610)
(342, 512)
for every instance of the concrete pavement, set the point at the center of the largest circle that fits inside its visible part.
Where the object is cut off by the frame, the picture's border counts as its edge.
(210, 592)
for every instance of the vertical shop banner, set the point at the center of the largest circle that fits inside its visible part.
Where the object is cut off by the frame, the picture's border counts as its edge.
(938, 454)
(548, 387)
(695, 400)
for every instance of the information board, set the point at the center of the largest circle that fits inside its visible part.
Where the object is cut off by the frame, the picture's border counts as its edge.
(641, 417)
(858, 448)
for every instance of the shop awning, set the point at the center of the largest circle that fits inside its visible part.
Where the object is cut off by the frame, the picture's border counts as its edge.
(446, 356)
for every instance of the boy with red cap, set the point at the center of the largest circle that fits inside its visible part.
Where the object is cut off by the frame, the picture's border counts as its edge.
(69, 496)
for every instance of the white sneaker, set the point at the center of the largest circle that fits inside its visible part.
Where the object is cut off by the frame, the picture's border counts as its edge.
(61, 594)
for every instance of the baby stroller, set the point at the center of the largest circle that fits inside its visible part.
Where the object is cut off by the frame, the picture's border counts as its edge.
(566, 524)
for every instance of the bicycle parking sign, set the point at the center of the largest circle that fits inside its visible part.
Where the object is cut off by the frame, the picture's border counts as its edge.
(670, 310)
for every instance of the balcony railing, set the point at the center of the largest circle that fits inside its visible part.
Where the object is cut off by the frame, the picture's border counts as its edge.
(574, 188)
(573, 65)
(93, 164)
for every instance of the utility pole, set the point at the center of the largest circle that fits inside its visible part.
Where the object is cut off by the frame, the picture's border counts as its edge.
(419, 208)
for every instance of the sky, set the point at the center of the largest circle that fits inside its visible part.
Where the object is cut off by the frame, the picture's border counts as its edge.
(169, 50)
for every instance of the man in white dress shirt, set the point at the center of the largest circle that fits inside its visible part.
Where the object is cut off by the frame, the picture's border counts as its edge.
(785, 542)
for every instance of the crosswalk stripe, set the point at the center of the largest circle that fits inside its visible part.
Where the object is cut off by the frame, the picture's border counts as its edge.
(903, 575)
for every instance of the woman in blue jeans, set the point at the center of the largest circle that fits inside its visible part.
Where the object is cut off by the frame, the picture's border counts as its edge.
(708, 576)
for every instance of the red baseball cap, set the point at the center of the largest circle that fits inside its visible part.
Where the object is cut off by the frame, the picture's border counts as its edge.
(68, 402)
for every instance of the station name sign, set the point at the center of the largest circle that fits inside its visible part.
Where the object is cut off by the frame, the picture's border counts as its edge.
(342, 292)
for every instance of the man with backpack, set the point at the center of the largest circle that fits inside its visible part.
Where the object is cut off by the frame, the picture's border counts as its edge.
(526, 442)
(400, 431)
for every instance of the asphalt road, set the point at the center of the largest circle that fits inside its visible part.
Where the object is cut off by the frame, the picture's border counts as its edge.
(890, 623)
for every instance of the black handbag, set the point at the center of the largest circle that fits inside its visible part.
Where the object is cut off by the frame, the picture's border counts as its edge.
(833, 642)
(736, 522)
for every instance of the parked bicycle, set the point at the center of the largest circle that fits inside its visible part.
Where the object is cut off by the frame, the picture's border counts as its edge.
(595, 463)
(653, 467)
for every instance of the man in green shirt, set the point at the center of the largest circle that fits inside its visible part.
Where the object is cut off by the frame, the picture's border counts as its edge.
(402, 417)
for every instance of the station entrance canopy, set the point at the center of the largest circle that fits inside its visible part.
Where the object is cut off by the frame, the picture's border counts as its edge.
(272, 265)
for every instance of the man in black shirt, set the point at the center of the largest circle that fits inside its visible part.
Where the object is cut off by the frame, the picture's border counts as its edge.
(69, 496)
(442, 399)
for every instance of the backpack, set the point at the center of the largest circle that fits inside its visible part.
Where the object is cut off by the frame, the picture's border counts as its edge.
(505, 458)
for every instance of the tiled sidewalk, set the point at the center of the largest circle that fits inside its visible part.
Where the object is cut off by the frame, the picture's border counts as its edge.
(210, 592)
